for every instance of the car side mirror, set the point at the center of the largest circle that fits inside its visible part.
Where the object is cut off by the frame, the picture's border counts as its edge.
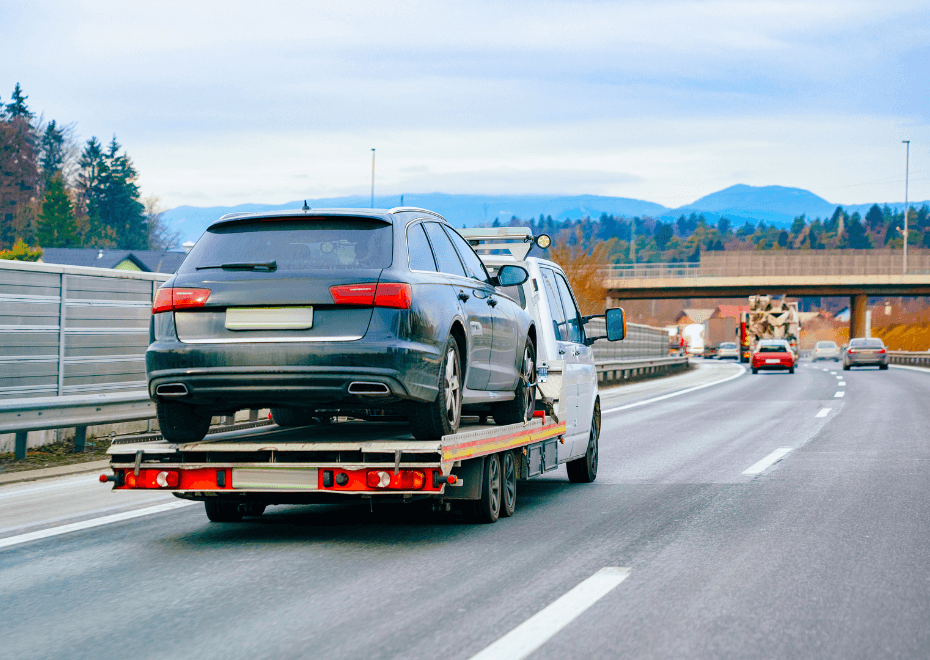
(511, 275)
(616, 324)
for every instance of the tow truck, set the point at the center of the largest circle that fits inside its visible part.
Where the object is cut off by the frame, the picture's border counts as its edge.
(239, 473)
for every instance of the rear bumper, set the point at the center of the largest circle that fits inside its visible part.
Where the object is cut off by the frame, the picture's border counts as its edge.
(235, 376)
(773, 367)
(867, 361)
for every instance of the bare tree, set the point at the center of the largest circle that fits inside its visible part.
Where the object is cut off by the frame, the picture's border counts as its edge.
(161, 236)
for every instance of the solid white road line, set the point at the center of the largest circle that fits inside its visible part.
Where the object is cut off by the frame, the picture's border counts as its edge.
(823, 413)
(93, 522)
(678, 393)
(542, 626)
(774, 457)
(839, 395)
(18, 490)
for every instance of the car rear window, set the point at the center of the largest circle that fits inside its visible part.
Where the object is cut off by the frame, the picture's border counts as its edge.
(867, 343)
(826, 344)
(773, 348)
(296, 244)
(728, 344)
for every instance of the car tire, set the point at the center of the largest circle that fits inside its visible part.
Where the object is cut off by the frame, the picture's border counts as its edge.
(222, 511)
(508, 484)
(487, 508)
(790, 370)
(754, 370)
(180, 422)
(291, 416)
(523, 405)
(584, 470)
(431, 421)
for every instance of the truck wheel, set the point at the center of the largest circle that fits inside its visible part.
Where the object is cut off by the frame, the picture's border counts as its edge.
(291, 416)
(509, 484)
(180, 422)
(846, 367)
(523, 405)
(883, 366)
(584, 470)
(488, 508)
(222, 511)
(431, 421)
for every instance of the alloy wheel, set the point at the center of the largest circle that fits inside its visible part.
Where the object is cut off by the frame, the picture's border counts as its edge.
(453, 388)
(494, 484)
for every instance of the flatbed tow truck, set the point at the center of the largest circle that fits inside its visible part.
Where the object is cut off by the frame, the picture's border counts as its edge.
(239, 473)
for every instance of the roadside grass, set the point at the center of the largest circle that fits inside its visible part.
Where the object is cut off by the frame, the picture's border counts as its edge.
(55, 455)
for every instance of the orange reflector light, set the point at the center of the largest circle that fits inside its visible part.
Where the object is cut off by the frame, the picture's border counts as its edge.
(404, 480)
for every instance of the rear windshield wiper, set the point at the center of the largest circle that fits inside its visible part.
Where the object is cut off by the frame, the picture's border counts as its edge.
(261, 265)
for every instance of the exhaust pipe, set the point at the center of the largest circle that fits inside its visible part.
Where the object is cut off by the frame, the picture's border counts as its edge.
(172, 389)
(368, 388)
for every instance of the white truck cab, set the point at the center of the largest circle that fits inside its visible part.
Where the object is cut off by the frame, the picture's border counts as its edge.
(565, 360)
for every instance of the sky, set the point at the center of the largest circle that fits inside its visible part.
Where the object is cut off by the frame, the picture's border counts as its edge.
(222, 103)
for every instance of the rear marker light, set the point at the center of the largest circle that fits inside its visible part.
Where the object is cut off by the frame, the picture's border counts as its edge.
(167, 479)
(171, 299)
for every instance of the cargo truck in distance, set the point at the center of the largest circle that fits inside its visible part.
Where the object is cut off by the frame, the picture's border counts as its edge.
(718, 331)
(769, 317)
(344, 457)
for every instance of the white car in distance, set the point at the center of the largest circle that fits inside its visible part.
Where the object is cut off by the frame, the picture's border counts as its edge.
(826, 350)
(563, 345)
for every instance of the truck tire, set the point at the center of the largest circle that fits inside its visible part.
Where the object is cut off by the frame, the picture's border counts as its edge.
(883, 366)
(252, 509)
(222, 511)
(523, 405)
(584, 470)
(846, 367)
(180, 422)
(431, 421)
(508, 484)
(487, 508)
(291, 416)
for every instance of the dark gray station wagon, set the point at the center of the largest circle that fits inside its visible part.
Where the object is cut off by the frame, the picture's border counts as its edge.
(342, 309)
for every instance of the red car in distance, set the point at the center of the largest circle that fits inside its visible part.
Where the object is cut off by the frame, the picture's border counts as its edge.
(772, 354)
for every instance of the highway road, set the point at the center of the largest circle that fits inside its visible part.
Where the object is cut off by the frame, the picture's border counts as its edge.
(734, 516)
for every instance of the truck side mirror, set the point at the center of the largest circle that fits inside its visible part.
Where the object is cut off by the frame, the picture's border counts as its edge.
(616, 324)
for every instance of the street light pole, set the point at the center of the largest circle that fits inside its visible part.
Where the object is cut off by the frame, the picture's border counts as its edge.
(372, 178)
(907, 167)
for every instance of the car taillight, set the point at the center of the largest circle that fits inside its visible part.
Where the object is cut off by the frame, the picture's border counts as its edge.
(170, 299)
(403, 480)
(385, 294)
(851, 351)
(881, 351)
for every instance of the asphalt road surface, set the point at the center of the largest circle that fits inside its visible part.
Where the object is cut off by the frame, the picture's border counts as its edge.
(734, 516)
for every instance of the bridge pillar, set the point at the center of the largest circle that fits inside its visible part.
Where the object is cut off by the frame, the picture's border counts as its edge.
(857, 308)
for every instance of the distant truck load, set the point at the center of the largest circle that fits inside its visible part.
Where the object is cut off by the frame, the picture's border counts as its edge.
(769, 317)
(718, 331)
(694, 338)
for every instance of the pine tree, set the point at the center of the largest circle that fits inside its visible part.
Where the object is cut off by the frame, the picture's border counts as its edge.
(17, 106)
(51, 152)
(19, 173)
(56, 225)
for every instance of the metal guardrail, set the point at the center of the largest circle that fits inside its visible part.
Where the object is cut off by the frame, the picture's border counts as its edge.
(611, 370)
(913, 358)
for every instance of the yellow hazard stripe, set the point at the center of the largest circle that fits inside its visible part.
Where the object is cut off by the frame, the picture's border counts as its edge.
(492, 445)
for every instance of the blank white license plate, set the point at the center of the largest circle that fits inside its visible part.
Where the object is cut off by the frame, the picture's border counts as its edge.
(771, 361)
(269, 318)
(284, 478)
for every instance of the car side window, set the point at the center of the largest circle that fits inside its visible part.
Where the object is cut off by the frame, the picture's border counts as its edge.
(418, 251)
(446, 257)
(555, 304)
(572, 316)
(473, 263)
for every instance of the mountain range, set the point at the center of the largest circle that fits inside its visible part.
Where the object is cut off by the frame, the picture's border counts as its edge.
(775, 205)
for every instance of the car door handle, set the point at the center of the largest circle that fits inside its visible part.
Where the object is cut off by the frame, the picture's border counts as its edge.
(463, 296)
(561, 351)
(576, 352)
(492, 302)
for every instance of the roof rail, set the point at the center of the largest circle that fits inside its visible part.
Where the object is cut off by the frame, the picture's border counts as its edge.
(404, 209)
(237, 214)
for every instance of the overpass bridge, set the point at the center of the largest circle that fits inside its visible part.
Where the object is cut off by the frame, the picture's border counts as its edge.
(854, 273)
